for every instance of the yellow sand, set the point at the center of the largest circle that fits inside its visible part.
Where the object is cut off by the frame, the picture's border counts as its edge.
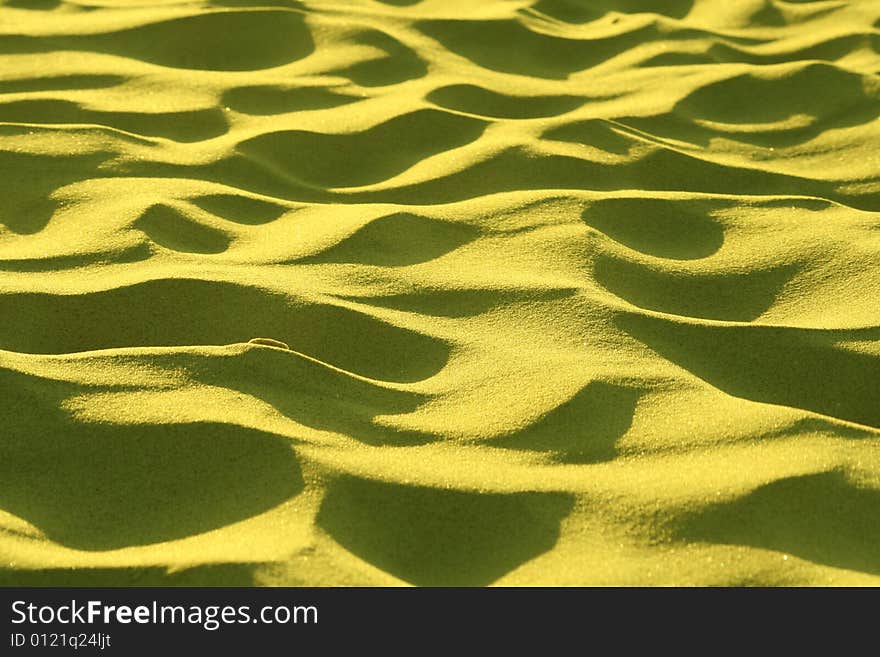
(440, 292)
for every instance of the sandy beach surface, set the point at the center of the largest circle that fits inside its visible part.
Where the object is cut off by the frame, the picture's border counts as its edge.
(440, 292)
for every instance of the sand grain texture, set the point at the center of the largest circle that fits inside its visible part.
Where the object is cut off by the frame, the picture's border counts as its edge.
(439, 292)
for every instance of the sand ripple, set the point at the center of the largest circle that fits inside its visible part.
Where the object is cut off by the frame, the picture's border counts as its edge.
(572, 292)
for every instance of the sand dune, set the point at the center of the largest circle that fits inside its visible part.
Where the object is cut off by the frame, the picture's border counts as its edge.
(439, 292)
